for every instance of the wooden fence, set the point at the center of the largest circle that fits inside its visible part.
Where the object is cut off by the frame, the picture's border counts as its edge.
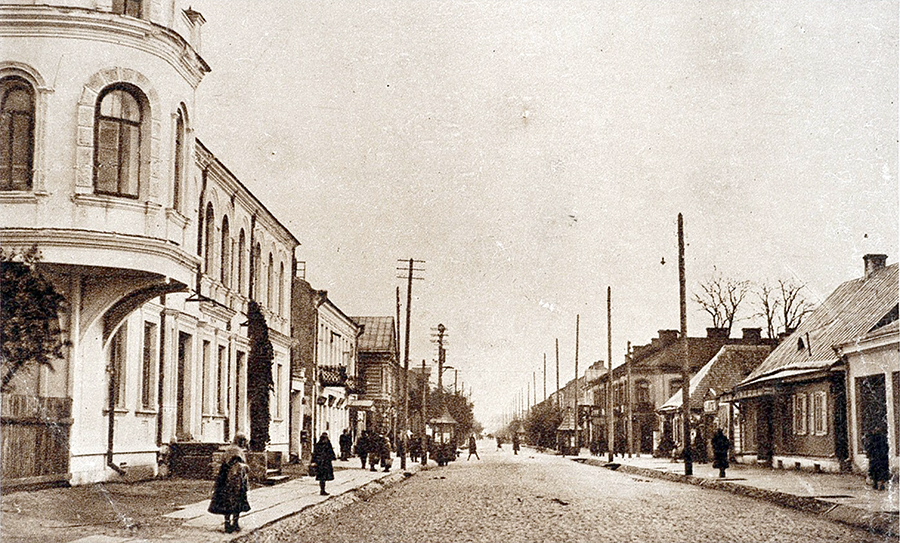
(34, 439)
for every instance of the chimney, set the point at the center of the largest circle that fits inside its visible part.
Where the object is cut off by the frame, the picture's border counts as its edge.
(717, 333)
(668, 336)
(752, 335)
(874, 263)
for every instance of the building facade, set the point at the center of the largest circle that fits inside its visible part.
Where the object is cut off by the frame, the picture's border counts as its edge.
(380, 372)
(146, 234)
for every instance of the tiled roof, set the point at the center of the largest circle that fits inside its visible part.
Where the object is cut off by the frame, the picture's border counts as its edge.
(850, 312)
(568, 422)
(378, 335)
(730, 365)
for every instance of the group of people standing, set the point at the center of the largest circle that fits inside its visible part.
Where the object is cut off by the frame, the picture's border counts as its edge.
(374, 448)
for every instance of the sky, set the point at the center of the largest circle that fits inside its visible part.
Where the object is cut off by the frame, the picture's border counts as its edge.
(534, 154)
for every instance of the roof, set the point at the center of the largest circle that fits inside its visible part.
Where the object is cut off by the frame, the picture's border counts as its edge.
(445, 418)
(730, 365)
(851, 311)
(378, 335)
(568, 422)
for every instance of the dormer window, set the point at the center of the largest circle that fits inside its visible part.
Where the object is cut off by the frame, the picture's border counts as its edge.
(132, 8)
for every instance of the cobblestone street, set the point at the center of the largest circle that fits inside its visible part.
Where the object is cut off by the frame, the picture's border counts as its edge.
(537, 497)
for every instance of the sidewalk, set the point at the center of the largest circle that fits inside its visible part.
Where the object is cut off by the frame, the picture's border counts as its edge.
(843, 498)
(191, 523)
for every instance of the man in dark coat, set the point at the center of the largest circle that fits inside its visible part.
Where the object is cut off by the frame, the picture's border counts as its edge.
(362, 447)
(230, 493)
(345, 442)
(515, 441)
(877, 449)
(323, 456)
(472, 448)
(720, 444)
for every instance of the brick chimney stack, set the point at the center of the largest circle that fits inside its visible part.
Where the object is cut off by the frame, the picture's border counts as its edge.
(874, 263)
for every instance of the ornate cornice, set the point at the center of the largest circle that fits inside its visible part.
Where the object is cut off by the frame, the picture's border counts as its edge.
(80, 23)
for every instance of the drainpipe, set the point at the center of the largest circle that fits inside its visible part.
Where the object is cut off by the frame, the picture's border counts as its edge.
(161, 373)
(111, 418)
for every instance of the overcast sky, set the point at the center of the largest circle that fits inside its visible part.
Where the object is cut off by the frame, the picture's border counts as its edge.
(534, 153)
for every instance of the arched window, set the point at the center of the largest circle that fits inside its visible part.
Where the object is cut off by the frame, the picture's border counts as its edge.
(281, 289)
(209, 233)
(241, 261)
(178, 166)
(254, 272)
(17, 125)
(642, 392)
(270, 278)
(132, 8)
(225, 269)
(117, 141)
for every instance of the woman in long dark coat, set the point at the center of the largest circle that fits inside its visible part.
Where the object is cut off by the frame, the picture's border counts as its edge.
(720, 445)
(230, 493)
(323, 456)
(877, 449)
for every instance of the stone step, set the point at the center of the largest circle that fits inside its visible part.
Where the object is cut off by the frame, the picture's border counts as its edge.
(275, 479)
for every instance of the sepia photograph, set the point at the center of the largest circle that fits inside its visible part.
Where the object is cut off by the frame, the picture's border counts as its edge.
(438, 271)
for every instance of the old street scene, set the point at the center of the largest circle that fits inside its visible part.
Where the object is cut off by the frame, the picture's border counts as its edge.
(400, 271)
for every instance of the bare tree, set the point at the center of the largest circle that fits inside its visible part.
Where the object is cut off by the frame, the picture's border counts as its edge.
(721, 297)
(783, 306)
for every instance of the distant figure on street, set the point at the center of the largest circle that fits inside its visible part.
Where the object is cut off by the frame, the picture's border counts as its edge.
(720, 444)
(879, 465)
(385, 450)
(374, 449)
(230, 493)
(499, 443)
(323, 455)
(362, 447)
(345, 442)
(515, 441)
(473, 448)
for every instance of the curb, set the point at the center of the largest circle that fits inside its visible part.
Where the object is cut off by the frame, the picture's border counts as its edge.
(870, 521)
(296, 520)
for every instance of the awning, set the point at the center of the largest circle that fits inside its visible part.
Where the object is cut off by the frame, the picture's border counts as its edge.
(361, 404)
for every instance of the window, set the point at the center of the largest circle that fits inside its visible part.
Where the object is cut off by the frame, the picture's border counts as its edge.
(206, 378)
(241, 261)
(254, 272)
(117, 366)
(223, 380)
(148, 365)
(279, 369)
(674, 386)
(17, 125)
(132, 8)
(270, 288)
(642, 392)
(209, 234)
(225, 269)
(178, 166)
(281, 289)
(117, 142)
(819, 424)
(800, 413)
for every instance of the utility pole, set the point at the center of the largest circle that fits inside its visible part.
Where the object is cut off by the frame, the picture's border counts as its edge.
(545, 377)
(534, 388)
(404, 379)
(685, 368)
(455, 376)
(610, 418)
(441, 329)
(557, 374)
(577, 389)
(628, 399)
(424, 422)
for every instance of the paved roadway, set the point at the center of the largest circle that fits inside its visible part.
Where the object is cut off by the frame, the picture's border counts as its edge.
(540, 498)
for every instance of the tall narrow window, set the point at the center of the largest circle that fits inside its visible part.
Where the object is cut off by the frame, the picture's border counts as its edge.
(254, 272)
(800, 413)
(209, 233)
(206, 378)
(178, 165)
(223, 380)
(17, 125)
(132, 8)
(148, 365)
(270, 278)
(117, 358)
(241, 262)
(281, 289)
(118, 142)
(225, 268)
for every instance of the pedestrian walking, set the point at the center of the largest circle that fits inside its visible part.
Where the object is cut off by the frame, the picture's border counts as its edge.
(877, 450)
(499, 443)
(472, 448)
(362, 447)
(721, 445)
(230, 491)
(515, 441)
(323, 455)
(345, 442)
(374, 450)
(385, 450)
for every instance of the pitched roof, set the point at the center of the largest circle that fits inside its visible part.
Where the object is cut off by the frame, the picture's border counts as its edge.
(730, 365)
(568, 422)
(445, 418)
(378, 335)
(850, 312)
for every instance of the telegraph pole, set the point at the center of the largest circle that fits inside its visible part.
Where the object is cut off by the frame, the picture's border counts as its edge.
(557, 373)
(685, 367)
(610, 418)
(424, 422)
(628, 398)
(404, 379)
(545, 377)
(577, 390)
(441, 329)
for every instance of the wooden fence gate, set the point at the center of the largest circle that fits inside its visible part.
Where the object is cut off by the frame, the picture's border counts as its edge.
(34, 438)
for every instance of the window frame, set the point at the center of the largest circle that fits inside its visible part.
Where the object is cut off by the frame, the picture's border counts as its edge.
(118, 366)
(178, 163)
(138, 125)
(149, 364)
(800, 414)
(819, 413)
(7, 181)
